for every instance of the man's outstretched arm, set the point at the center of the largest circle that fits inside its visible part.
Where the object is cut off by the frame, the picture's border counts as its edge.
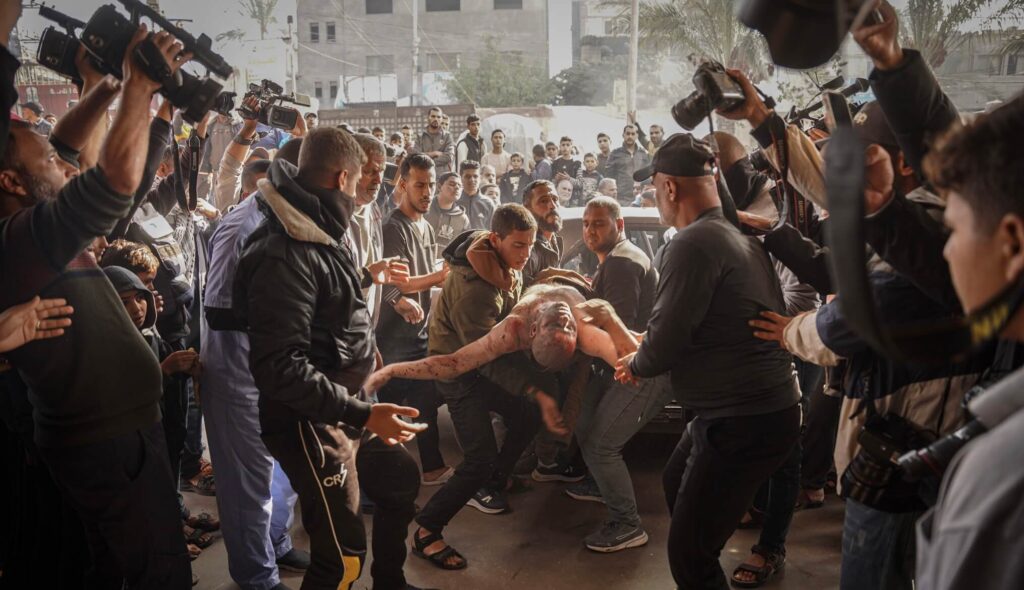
(502, 340)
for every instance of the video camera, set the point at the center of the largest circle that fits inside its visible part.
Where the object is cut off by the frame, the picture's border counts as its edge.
(269, 111)
(106, 37)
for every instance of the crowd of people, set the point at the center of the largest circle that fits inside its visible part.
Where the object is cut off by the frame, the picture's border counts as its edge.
(320, 294)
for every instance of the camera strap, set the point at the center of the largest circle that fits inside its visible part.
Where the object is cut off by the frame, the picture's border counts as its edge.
(934, 341)
(187, 195)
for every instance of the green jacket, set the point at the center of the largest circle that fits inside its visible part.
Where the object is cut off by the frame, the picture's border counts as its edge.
(478, 293)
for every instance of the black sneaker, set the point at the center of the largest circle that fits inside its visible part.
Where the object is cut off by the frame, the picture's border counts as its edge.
(557, 472)
(296, 560)
(585, 490)
(489, 502)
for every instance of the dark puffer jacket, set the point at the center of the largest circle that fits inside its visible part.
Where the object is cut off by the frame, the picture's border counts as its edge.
(298, 290)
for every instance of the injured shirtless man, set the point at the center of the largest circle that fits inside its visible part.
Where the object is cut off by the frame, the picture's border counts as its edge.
(550, 321)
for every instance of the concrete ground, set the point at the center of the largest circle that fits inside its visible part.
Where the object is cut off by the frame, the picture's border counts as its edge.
(539, 544)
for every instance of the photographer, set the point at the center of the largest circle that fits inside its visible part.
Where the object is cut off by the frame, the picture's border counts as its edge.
(972, 538)
(713, 279)
(94, 425)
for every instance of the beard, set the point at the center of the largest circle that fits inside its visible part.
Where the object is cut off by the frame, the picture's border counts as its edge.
(39, 189)
(552, 222)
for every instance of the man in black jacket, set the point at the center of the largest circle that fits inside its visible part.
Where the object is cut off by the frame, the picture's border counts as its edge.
(97, 429)
(298, 290)
(713, 279)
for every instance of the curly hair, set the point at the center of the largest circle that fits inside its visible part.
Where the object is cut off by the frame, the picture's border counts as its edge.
(134, 256)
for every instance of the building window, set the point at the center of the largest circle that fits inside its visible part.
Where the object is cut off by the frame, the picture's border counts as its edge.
(318, 89)
(442, 5)
(611, 27)
(508, 4)
(380, 65)
(314, 32)
(441, 62)
(334, 90)
(330, 32)
(378, 7)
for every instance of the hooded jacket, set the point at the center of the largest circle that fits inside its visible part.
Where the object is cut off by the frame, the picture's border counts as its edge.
(298, 290)
(447, 223)
(479, 292)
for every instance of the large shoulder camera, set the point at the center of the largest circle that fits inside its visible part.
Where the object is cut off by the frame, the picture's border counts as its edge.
(106, 37)
(269, 110)
(715, 89)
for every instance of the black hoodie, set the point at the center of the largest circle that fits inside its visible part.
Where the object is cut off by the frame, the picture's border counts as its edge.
(298, 290)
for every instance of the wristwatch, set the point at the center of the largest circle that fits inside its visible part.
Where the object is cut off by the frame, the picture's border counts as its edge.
(243, 141)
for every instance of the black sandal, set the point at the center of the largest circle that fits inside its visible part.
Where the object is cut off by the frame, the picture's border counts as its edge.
(439, 559)
(774, 561)
(204, 522)
(197, 537)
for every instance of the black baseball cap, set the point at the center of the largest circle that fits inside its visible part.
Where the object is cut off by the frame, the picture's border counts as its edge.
(872, 127)
(33, 106)
(681, 154)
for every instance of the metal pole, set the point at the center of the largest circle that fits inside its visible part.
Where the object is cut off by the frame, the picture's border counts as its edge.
(417, 80)
(634, 50)
(291, 54)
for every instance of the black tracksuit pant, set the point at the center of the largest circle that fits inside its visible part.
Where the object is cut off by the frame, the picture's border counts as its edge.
(470, 401)
(710, 481)
(321, 463)
(123, 491)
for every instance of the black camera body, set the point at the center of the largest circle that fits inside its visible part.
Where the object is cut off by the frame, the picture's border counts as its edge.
(107, 36)
(873, 477)
(715, 89)
(269, 111)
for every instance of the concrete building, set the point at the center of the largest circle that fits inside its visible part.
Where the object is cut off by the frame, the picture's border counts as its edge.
(362, 50)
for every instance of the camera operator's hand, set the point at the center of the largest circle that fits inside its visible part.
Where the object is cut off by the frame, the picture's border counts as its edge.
(169, 47)
(385, 422)
(881, 41)
(771, 327)
(90, 75)
(207, 210)
(878, 179)
(204, 124)
(249, 109)
(753, 110)
(300, 128)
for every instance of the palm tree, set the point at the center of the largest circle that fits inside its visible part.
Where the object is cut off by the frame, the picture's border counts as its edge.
(261, 11)
(935, 27)
(699, 30)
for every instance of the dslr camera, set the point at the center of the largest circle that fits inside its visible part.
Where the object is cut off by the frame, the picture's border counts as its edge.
(269, 110)
(874, 477)
(106, 38)
(715, 89)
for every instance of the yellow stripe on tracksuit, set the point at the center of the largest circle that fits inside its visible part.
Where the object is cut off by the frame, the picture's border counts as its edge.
(351, 571)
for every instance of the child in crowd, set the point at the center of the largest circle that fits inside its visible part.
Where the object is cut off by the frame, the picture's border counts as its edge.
(590, 178)
(514, 181)
(140, 304)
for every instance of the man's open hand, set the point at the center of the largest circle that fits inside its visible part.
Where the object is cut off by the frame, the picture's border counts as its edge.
(771, 327)
(623, 373)
(169, 47)
(385, 422)
(33, 320)
(389, 271)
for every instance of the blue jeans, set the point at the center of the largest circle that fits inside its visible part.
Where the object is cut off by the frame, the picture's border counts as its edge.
(878, 549)
(610, 415)
(254, 497)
